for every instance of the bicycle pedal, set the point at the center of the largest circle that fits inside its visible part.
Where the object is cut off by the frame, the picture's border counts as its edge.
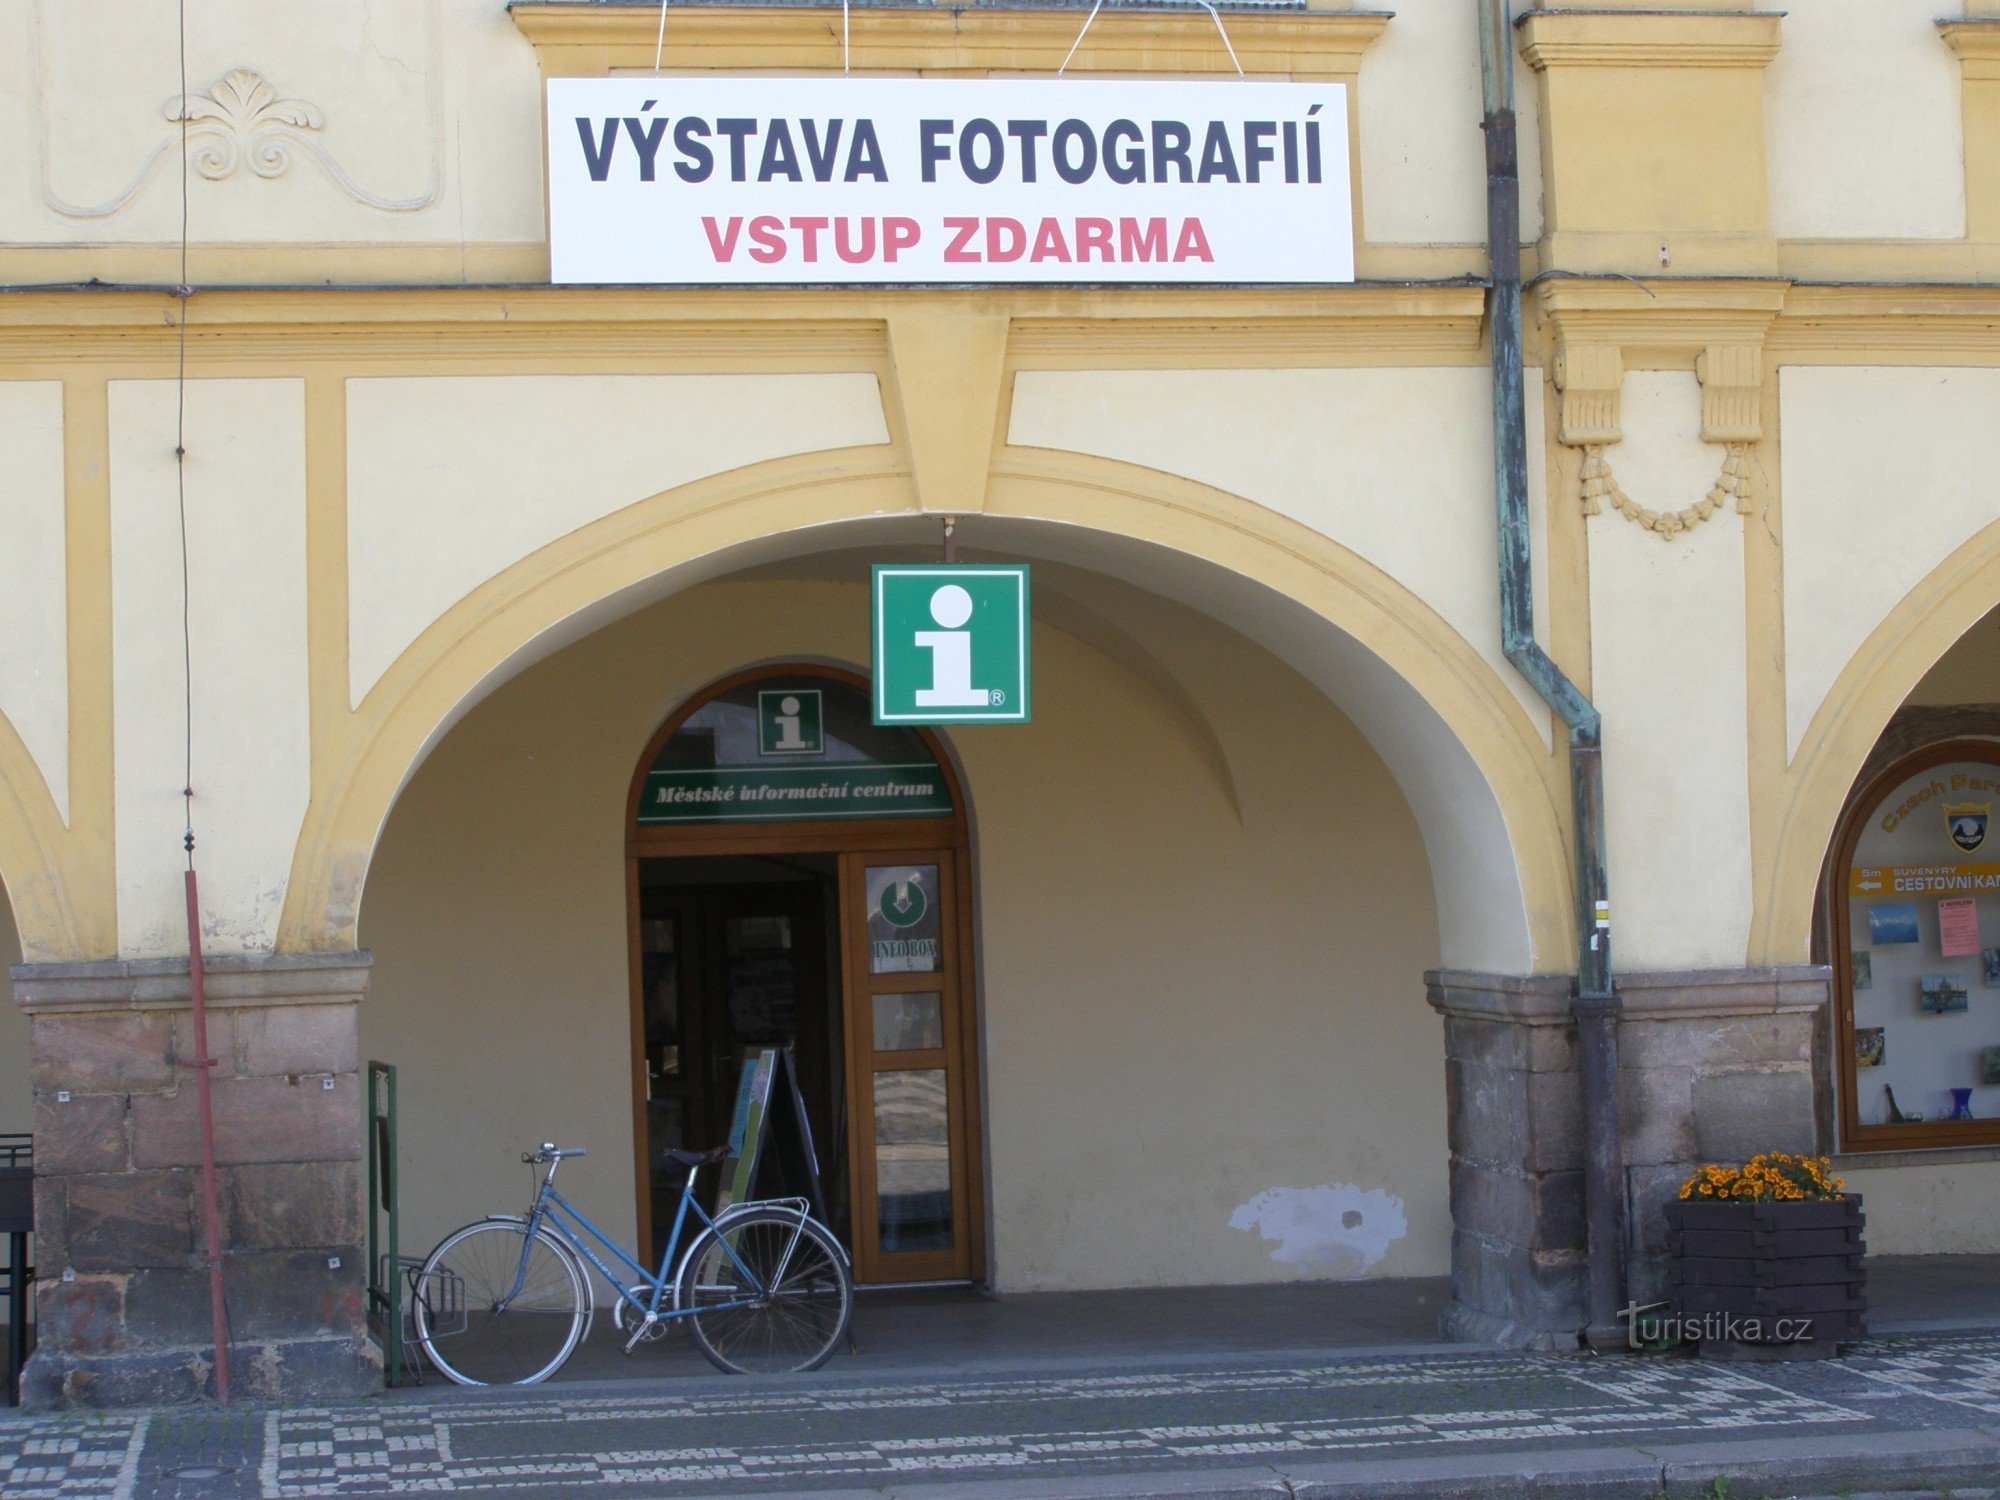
(646, 1332)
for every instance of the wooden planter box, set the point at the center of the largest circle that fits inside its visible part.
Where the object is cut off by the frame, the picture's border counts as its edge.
(1771, 1280)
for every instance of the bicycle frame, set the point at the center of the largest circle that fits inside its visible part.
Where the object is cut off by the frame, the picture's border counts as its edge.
(549, 1208)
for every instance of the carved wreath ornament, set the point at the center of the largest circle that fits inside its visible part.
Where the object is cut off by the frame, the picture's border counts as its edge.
(1590, 378)
(1600, 485)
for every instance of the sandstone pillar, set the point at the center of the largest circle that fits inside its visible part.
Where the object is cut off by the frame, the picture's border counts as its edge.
(1714, 1065)
(122, 1294)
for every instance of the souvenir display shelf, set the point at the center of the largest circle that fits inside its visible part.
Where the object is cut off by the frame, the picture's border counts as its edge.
(1916, 949)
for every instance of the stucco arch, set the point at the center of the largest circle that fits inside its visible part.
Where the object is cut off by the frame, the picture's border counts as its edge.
(1926, 623)
(33, 845)
(1476, 767)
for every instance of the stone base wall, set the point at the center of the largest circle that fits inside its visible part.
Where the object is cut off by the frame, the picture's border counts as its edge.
(122, 1282)
(1714, 1065)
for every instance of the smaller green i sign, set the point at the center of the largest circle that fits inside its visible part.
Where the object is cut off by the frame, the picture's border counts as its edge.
(790, 721)
(951, 643)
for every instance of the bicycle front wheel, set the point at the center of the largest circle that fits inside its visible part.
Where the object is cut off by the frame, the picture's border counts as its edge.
(496, 1307)
(770, 1293)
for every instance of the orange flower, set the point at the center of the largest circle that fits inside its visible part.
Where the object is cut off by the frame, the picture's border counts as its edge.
(1769, 1177)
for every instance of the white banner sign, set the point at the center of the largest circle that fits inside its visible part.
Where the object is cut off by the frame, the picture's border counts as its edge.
(904, 180)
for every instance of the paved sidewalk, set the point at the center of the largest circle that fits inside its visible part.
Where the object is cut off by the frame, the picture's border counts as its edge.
(1914, 1412)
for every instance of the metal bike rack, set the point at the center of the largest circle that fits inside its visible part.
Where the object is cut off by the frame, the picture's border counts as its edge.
(17, 1222)
(391, 1274)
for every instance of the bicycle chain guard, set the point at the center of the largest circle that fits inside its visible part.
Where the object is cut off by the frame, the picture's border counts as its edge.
(625, 1317)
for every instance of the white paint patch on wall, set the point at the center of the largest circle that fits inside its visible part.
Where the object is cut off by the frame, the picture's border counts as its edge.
(1861, 444)
(246, 485)
(1862, 123)
(1423, 159)
(34, 619)
(1668, 659)
(1339, 1230)
(1317, 446)
(451, 480)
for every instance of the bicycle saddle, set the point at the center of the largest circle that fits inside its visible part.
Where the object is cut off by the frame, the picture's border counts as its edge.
(682, 1158)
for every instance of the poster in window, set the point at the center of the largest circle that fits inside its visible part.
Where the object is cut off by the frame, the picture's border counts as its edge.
(1943, 994)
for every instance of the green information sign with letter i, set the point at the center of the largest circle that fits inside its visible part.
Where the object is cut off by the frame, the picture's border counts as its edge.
(951, 643)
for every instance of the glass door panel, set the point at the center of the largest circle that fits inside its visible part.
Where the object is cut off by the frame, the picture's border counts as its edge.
(909, 1023)
(908, 1056)
(905, 919)
(912, 1160)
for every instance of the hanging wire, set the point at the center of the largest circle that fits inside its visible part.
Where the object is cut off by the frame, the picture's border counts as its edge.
(1223, 32)
(184, 292)
(1094, 9)
(660, 41)
(846, 41)
(1213, 15)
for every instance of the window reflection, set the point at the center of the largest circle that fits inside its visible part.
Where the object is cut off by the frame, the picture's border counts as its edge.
(912, 1160)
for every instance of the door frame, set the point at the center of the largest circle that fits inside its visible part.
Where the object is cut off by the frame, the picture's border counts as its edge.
(863, 1062)
(806, 836)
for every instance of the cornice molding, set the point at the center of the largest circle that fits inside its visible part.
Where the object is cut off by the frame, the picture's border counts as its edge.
(590, 40)
(1660, 313)
(230, 980)
(607, 328)
(1649, 39)
(1664, 995)
(1976, 40)
(1661, 321)
(1915, 323)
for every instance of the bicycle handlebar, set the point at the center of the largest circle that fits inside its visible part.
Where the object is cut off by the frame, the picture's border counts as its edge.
(551, 1152)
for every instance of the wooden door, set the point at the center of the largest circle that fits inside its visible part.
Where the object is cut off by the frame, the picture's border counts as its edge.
(725, 970)
(763, 984)
(911, 1084)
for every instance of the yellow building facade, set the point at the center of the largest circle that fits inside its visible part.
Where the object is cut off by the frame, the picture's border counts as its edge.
(1268, 917)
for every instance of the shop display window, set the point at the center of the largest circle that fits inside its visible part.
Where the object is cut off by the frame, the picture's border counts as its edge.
(1915, 901)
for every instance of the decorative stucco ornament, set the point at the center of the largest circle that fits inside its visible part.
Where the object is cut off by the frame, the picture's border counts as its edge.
(1590, 378)
(1599, 485)
(242, 121)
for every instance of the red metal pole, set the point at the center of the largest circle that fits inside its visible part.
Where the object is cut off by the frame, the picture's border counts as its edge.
(211, 1223)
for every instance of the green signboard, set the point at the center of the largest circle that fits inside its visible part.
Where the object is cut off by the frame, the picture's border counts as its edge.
(773, 794)
(791, 721)
(951, 643)
(790, 747)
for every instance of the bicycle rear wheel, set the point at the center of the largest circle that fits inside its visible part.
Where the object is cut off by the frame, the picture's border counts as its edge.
(790, 1278)
(494, 1307)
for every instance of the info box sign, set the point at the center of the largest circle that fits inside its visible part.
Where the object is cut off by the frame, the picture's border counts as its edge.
(951, 643)
(894, 181)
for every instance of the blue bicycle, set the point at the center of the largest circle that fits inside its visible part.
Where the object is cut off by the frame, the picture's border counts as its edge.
(764, 1287)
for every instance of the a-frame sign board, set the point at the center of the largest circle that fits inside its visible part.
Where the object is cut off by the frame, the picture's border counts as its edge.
(771, 1151)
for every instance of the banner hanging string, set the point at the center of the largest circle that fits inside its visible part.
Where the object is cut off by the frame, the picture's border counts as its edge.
(1213, 15)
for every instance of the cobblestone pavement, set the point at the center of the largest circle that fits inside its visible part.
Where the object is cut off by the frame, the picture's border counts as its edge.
(1123, 1432)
